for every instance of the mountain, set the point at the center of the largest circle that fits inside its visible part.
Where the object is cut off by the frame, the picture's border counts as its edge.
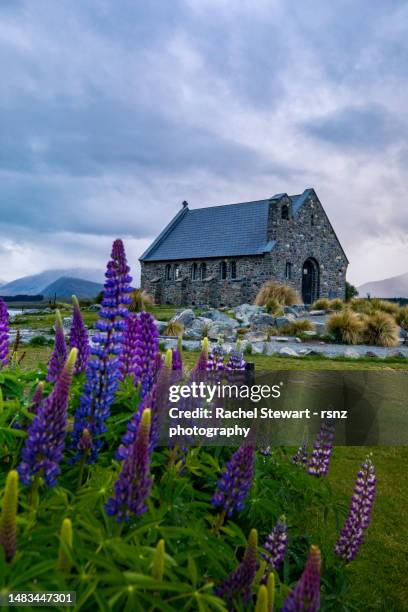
(37, 283)
(396, 286)
(65, 286)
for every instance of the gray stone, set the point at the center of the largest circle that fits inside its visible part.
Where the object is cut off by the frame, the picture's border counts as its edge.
(220, 329)
(371, 354)
(258, 348)
(292, 311)
(191, 345)
(220, 317)
(198, 329)
(320, 328)
(310, 333)
(94, 307)
(261, 321)
(398, 354)
(351, 353)
(286, 351)
(161, 326)
(185, 317)
(256, 336)
(67, 322)
(285, 320)
(317, 313)
(244, 312)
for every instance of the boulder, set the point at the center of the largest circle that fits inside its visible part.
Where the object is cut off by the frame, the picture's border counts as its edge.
(398, 354)
(245, 311)
(161, 326)
(371, 354)
(310, 333)
(67, 322)
(317, 313)
(219, 317)
(256, 336)
(320, 328)
(192, 345)
(258, 348)
(94, 308)
(284, 320)
(351, 353)
(291, 310)
(223, 329)
(286, 351)
(261, 321)
(198, 328)
(185, 317)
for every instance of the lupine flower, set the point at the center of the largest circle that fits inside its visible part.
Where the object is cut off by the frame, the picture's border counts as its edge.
(133, 485)
(235, 481)
(239, 582)
(8, 516)
(103, 372)
(37, 397)
(140, 348)
(4, 334)
(275, 545)
(320, 459)
(64, 562)
(301, 455)
(305, 597)
(158, 561)
(45, 442)
(215, 359)
(235, 361)
(358, 519)
(78, 337)
(59, 353)
(177, 363)
(202, 362)
(133, 425)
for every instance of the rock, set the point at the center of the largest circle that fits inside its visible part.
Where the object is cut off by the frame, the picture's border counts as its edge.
(94, 308)
(67, 322)
(305, 351)
(258, 348)
(291, 310)
(284, 320)
(161, 326)
(371, 354)
(397, 354)
(185, 317)
(261, 321)
(320, 328)
(286, 351)
(223, 329)
(351, 354)
(198, 328)
(191, 345)
(317, 313)
(245, 311)
(310, 333)
(282, 339)
(219, 317)
(256, 336)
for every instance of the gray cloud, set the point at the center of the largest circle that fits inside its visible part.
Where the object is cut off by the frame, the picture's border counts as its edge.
(112, 113)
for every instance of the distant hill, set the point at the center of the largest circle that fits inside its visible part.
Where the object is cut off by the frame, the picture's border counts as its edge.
(37, 283)
(66, 286)
(396, 286)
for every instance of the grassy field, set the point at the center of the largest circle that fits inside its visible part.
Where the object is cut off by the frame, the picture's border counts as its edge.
(379, 574)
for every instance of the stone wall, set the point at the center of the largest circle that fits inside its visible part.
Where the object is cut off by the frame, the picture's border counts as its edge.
(306, 235)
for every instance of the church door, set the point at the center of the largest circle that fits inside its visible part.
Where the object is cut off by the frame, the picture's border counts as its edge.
(310, 281)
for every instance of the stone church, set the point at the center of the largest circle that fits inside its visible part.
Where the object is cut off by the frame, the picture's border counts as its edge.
(222, 255)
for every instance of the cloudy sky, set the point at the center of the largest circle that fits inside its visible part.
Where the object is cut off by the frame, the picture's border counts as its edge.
(113, 112)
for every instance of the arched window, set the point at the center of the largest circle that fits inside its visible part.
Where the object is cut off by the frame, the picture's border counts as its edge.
(288, 270)
(233, 267)
(176, 271)
(168, 272)
(285, 212)
(223, 270)
(203, 271)
(194, 271)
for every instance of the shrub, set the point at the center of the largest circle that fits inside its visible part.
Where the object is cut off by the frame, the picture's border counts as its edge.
(370, 306)
(336, 304)
(321, 304)
(40, 341)
(283, 294)
(174, 328)
(297, 327)
(380, 329)
(351, 291)
(402, 317)
(346, 326)
(385, 306)
(141, 300)
(272, 305)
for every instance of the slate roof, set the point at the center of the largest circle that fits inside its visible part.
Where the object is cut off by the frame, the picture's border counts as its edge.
(230, 230)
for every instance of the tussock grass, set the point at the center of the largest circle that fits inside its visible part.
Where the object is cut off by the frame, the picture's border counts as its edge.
(141, 300)
(283, 294)
(336, 304)
(321, 304)
(346, 326)
(174, 328)
(402, 317)
(380, 329)
(297, 327)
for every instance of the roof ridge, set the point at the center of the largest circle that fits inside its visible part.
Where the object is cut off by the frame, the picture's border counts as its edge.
(231, 204)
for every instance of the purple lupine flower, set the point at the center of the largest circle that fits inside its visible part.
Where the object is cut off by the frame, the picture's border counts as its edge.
(59, 353)
(305, 597)
(37, 398)
(149, 401)
(4, 334)
(140, 349)
(45, 442)
(235, 481)
(177, 362)
(103, 371)
(78, 337)
(322, 448)
(238, 583)
(215, 359)
(235, 361)
(133, 484)
(358, 519)
(275, 545)
(301, 456)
